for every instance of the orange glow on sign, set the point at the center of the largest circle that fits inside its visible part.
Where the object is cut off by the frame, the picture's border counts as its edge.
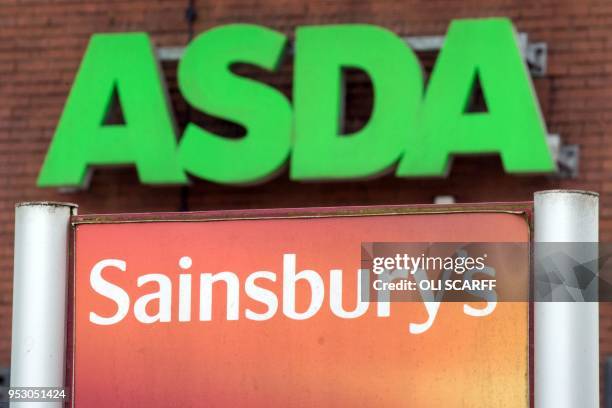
(265, 312)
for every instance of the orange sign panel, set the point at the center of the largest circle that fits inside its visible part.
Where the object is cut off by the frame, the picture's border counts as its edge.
(265, 310)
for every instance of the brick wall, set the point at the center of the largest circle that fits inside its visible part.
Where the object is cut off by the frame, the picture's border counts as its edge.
(42, 42)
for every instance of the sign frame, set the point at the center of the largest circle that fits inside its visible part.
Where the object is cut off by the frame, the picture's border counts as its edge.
(521, 208)
(44, 272)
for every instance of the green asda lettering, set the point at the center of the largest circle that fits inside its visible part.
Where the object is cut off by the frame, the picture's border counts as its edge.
(413, 130)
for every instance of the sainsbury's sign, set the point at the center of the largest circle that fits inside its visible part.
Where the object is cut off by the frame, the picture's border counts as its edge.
(412, 129)
(263, 309)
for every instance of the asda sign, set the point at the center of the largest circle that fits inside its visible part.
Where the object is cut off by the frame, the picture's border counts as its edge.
(412, 128)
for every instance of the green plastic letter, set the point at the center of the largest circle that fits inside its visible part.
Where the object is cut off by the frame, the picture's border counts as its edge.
(321, 151)
(513, 127)
(207, 83)
(126, 64)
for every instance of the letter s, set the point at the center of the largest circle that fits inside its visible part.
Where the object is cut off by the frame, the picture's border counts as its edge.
(109, 290)
(208, 84)
(262, 295)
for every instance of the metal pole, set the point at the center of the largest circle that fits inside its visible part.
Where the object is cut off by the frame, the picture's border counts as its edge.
(566, 333)
(39, 296)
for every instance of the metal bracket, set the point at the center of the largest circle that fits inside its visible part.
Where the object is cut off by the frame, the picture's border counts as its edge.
(568, 160)
(535, 54)
(170, 53)
(567, 157)
(537, 57)
(425, 43)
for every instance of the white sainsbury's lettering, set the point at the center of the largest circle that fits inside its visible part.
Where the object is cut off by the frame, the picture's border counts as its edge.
(266, 297)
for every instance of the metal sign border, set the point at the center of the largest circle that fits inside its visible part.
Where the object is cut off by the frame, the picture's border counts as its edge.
(521, 208)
